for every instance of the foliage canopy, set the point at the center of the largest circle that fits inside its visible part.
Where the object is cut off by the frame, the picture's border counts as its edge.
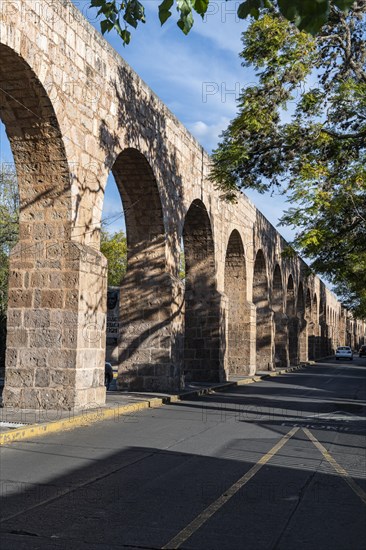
(9, 228)
(114, 248)
(308, 15)
(302, 129)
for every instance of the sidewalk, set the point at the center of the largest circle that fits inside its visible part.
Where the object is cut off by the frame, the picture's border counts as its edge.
(17, 424)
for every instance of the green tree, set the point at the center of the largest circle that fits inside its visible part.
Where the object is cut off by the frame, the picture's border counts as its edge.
(309, 15)
(9, 228)
(182, 266)
(114, 248)
(302, 129)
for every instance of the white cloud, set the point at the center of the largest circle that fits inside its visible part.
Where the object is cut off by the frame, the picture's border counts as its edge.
(195, 75)
(222, 26)
(208, 134)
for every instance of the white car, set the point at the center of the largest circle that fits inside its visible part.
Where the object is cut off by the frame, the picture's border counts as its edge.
(344, 352)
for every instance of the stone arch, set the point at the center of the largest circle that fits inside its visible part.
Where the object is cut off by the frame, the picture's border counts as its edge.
(310, 326)
(342, 326)
(330, 328)
(277, 290)
(302, 325)
(141, 203)
(45, 365)
(338, 328)
(202, 303)
(315, 317)
(146, 290)
(280, 323)
(323, 325)
(38, 150)
(354, 331)
(333, 330)
(292, 322)
(238, 326)
(264, 356)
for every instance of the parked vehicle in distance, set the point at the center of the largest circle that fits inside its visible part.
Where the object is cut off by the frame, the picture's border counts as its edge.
(344, 352)
(108, 374)
(362, 351)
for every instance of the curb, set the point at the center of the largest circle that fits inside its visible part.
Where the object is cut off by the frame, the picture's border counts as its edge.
(227, 385)
(84, 419)
(87, 418)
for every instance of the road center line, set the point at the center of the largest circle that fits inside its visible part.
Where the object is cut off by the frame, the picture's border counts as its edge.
(188, 531)
(338, 468)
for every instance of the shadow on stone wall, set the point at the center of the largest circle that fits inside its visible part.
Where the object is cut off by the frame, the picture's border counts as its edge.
(147, 173)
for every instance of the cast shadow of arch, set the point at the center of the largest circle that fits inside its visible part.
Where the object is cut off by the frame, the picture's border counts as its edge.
(152, 323)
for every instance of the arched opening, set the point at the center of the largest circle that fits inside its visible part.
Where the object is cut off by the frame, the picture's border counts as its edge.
(322, 325)
(335, 330)
(44, 365)
(349, 332)
(310, 326)
(342, 327)
(302, 325)
(292, 322)
(354, 332)
(335, 335)
(264, 358)
(238, 337)
(113, 245)
(202, 304)
(144, 343)
(280, 320)
(330, 327)
(331, 330)
(9, 231)
(315, 318)
(38, 151)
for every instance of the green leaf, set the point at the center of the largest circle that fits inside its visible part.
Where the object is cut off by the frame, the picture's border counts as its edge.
(200, 6)
(129, 18)
(343, 5)
(123, 33)
(109, 10)
(164, 10)
(134, 13)
(249, 7)
(309, 16)
(184, 7)
(106, 25)
(185, 23)
(126, 36)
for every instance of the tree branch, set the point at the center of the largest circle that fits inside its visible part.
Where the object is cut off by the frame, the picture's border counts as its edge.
(355, 135)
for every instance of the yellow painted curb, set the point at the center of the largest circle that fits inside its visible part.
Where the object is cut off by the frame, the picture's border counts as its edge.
(81, 420)
(91, 416)
(247, 381)
(172, 398)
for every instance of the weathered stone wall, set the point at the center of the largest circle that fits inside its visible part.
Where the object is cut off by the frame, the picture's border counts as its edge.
(74, 111)
(55, 344)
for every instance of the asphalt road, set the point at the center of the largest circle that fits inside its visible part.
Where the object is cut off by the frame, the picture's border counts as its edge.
(278, 465)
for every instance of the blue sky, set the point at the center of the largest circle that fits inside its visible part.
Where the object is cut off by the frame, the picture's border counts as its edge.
(197, 76)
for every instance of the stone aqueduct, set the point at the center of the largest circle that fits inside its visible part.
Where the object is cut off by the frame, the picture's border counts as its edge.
(74, 111)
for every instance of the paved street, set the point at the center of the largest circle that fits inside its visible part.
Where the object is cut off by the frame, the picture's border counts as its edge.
(276, 465)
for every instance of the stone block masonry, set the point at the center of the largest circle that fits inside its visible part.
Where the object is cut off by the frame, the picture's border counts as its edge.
(74, 111)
